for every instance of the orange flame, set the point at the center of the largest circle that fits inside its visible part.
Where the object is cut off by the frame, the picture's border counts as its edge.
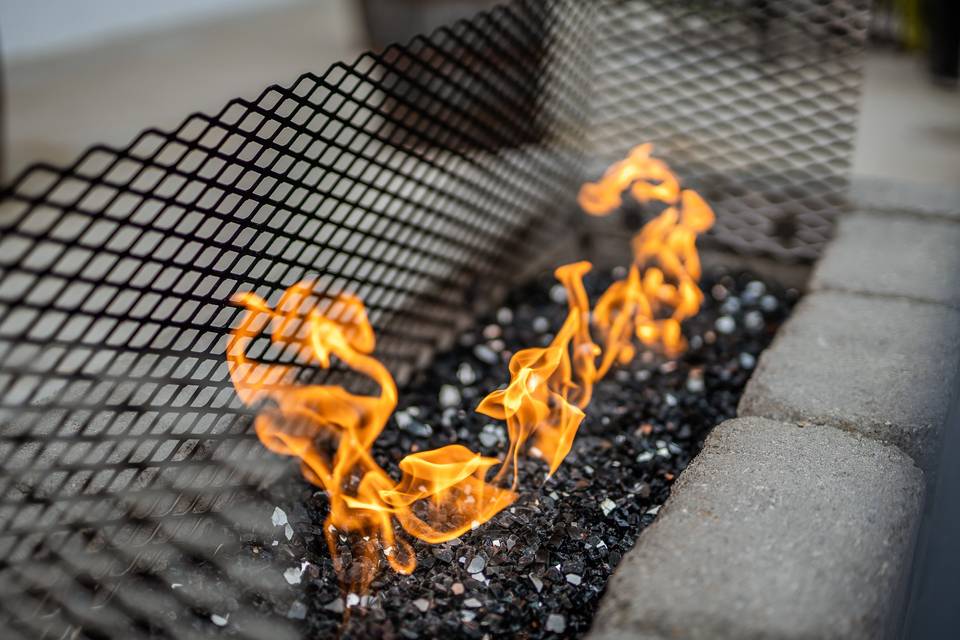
(650, 306)
(332, 432)
(443, 493)
(647, 178)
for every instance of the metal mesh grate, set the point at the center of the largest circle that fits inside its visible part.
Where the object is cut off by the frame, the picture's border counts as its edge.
(753, 102)
(424, 178)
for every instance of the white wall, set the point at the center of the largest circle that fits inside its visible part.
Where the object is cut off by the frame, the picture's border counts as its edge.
(37, 27)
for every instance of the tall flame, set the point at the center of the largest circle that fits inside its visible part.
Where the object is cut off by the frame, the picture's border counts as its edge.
(660, 290)
(444, 492)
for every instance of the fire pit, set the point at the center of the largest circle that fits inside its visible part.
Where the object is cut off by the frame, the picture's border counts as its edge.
(540, 565)
(386, 233)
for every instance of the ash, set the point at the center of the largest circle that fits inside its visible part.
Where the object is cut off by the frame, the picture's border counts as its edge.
(539, 568)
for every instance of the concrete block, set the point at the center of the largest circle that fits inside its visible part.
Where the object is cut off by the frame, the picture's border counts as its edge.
(903, 196)
(883, 367)
(775, 531)
(915, 258)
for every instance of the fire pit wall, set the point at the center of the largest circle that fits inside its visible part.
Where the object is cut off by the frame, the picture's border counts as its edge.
(799, 518)
(426, 178)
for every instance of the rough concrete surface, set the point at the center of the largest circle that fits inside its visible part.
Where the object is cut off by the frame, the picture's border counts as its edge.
(881, 367)
(893, 256)
(903, 196)
(775, 531)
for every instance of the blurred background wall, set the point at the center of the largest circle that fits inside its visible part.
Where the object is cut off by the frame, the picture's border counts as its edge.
(39, 27)
(78, 72)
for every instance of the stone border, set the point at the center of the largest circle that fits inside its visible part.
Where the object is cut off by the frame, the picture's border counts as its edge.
(883, 194)
(798, 519)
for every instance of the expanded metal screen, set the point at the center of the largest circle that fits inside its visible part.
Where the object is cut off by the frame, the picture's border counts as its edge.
(753, 102)
(425, 178)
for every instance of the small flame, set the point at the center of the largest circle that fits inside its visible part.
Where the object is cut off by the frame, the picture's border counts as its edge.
(647, 178)
(444, 493)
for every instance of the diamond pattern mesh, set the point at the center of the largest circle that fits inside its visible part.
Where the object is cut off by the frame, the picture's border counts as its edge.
(753, 102)
(425, 179)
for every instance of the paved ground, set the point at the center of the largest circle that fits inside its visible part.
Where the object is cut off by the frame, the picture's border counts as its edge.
(909, 129)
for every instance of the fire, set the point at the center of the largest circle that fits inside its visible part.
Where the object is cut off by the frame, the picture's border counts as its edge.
(443, 493)
(660, 290)
(647, 178)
